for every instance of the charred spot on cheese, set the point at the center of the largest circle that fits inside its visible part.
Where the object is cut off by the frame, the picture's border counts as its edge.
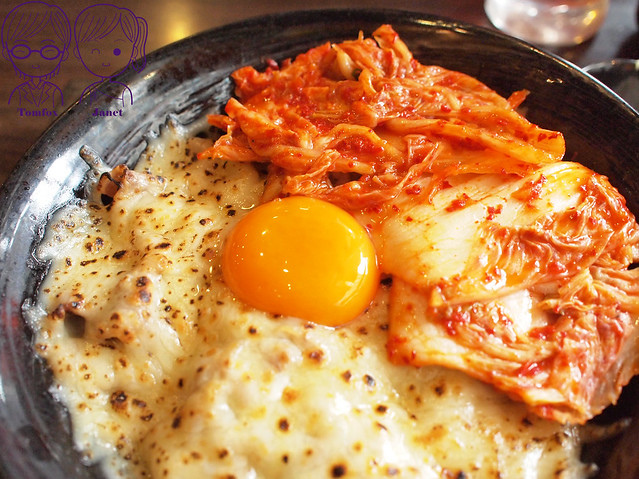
(109, 184)
(283, 425)
(338, 470)
(118, 400)
(74, 324)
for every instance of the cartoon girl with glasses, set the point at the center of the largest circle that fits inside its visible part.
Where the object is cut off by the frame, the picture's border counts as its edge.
(35, 39)
(109, 39)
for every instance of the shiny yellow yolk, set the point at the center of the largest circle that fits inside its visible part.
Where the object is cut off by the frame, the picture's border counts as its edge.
(302, 257)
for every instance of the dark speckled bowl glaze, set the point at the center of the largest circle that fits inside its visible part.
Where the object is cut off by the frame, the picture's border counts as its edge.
(192, 76)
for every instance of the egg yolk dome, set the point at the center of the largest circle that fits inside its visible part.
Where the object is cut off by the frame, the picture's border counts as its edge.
(303, 257)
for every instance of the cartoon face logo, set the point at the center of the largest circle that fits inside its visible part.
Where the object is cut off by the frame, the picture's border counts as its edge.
(35, 39)
(109, 39)
(103, 59)
(25, 60)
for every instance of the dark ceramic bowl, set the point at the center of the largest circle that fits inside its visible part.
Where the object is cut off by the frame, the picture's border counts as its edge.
(192, 76)
(620, 74)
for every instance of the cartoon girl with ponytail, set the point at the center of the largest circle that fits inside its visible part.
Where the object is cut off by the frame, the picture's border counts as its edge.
(109, 39)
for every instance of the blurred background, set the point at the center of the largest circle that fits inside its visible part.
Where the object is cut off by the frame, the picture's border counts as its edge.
(169, 21)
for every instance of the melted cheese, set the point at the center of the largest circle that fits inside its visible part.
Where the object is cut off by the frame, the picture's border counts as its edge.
(165, 374)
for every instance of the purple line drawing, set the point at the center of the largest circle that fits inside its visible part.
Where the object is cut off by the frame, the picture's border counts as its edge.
(36, 61)
(97, 29)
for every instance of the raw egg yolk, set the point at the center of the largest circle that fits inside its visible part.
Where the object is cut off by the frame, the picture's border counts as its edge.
(302, 257)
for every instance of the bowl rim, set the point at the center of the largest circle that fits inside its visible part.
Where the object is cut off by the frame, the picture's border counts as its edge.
(18, 218)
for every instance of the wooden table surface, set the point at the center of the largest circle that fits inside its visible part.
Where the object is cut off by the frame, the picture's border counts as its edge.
(170, 20)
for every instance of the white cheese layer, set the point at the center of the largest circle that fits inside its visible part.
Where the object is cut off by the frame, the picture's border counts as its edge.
(165, 374)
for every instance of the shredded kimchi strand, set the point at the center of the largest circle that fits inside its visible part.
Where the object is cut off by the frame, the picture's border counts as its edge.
(367, 111)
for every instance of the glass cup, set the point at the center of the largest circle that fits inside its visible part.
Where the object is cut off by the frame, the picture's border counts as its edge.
(549, 23)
